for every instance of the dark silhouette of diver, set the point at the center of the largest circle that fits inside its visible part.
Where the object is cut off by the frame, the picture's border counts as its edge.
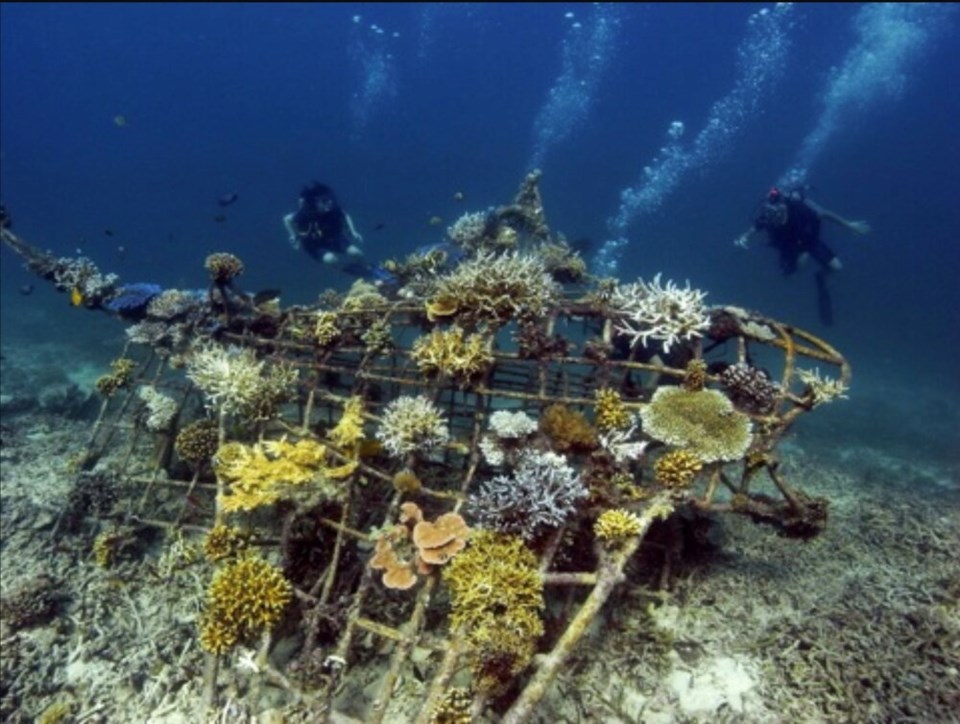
(325, 231)
(792, 223)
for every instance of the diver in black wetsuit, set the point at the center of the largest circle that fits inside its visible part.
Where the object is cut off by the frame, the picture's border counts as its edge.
(792, 223)
(325, 231)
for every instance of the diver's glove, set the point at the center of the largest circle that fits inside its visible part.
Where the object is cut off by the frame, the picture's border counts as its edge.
(859, 227)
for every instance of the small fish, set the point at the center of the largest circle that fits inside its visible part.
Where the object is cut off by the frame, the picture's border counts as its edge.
(121, 251)
(379, 226)
(459, 196)
(76, 297)
(26, 289)
(219, 218)
(120, 121)
(581, 245)
(435, 221)
(227, 199)
(108, 232)
(267, 295)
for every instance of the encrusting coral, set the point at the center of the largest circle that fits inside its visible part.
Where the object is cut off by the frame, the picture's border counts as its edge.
(702, 422)
(410, 424)
(244, 598)
(496, 596)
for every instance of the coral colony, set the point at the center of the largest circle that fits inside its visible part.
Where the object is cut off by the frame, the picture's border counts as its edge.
(446, 475)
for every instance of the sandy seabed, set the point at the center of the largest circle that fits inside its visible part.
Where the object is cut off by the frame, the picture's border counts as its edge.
(858, 624)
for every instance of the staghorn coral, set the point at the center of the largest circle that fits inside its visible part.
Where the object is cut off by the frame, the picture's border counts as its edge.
(664, 314)
(610, 412)
(703, 422)
(542, 493)
(613, 526)
(490, 290)
(677, 469)
(496, 597)
(262, 473)
(568, 431)
(750, 388)
(244, 598)
(223, 267)
(448, 352)
(821, 389)
(410, 424)
(198, 441)
(118, 379)
(347, 434)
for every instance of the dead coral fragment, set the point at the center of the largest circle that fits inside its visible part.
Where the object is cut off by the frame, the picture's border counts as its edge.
(448, 352)
(497, 595)
(677, 469)
(244, 598)
(491, 290)
(703, 422)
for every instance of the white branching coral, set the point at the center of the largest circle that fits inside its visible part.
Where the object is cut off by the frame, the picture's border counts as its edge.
(822, 389)
(411, 423)
(509, 430)
(236, 383)
(621, 447)
(666, 314)
(160, 408)
(467, 231)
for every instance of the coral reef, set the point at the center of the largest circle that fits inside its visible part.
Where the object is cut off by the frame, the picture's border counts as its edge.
(496, 595)
(448, 352)
(198, 442)
(411, 424)
(677, 469)
(703, 422)
(666, 314)
(245, 597)
(542, 493)
(490, 290)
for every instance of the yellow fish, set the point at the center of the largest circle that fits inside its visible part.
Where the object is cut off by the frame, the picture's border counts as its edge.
(435, 221)
(120, 121)
(76, 297)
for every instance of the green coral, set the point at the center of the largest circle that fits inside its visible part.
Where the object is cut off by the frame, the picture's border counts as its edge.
(497, 596)
(703, 422)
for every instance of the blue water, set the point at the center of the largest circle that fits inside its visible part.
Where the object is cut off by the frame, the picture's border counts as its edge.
(399, 107)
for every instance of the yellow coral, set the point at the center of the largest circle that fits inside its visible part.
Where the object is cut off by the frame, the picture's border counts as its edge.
(326, 330)
(568, 430)
(257, 473)
(695, 375)
(449, 352)
(704, 422)
(224, 541)
(244, 598)
(677, 469)
(615, 525)
(610, 411)
(497, 595)
(119, 378)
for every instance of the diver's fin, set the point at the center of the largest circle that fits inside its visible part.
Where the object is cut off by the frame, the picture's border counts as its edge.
(824, 302)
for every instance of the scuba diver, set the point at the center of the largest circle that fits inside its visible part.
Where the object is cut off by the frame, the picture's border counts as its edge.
(325, 231)
(792, 223)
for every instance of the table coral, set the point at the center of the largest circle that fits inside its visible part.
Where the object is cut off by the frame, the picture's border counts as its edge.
(703, 422)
